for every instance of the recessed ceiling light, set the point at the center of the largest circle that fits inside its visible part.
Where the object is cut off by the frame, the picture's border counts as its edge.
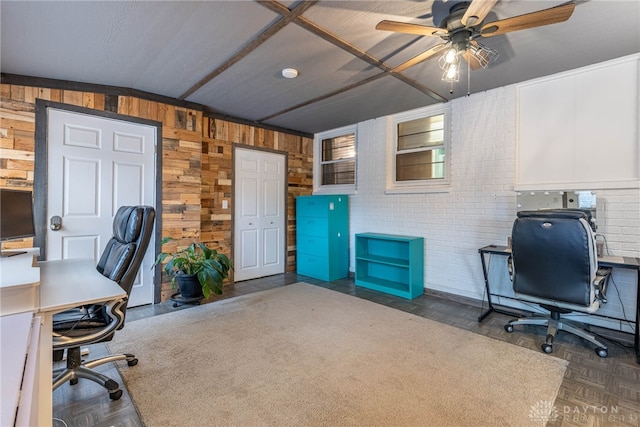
(289, 73)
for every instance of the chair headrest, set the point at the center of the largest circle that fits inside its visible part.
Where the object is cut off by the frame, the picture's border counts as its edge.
(127, 224)
(555, 213)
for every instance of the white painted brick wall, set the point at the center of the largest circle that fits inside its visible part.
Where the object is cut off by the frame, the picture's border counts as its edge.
(480, 208)
(618, 215)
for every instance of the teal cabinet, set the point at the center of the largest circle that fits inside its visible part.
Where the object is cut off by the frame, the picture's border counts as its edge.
(322, 236)
(390, 263)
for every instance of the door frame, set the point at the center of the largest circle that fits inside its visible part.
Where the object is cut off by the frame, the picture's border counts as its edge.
(286, 196)
(40, 185)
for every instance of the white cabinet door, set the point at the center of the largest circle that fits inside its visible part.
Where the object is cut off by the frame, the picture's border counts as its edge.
(579, 130)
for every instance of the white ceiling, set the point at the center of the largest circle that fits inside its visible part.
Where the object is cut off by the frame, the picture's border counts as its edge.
(228, 55)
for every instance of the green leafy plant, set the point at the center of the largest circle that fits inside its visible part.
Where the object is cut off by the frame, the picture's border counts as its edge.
(207, 264)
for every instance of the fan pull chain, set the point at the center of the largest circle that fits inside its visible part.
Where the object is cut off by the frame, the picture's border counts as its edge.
(468, 78)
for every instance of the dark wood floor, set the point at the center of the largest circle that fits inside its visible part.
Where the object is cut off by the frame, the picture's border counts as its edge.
(594, 392)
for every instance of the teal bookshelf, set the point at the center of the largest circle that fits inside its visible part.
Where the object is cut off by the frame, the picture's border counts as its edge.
(322, 236)
(390, 263)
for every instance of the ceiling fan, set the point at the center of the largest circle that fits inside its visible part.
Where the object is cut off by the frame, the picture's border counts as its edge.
(464, 25)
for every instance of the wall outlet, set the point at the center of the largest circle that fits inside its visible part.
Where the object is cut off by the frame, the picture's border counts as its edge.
(225, 204)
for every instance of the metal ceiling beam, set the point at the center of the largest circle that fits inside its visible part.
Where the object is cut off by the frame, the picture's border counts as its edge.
(312, 27)
(323, 97)
(253, 44)
(303, 22)
(335, 40)
(294, 15)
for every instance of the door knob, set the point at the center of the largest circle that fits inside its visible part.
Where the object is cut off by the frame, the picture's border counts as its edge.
(55, 223)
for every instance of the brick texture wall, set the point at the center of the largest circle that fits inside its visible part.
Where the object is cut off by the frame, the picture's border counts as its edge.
(480, 208)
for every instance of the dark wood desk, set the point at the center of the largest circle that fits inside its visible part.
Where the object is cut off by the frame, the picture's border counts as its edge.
(605, 261)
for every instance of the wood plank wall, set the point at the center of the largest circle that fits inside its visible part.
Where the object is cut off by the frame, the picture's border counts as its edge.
(197, 161)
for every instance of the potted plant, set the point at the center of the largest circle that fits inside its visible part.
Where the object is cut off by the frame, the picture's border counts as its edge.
(196, 265)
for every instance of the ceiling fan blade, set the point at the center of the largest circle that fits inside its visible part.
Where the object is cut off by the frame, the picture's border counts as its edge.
(402, 27)
(552, 15)
(420, 57)
(477, 11)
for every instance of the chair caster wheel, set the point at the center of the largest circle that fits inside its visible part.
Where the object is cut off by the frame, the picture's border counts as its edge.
(602, 352)
(547, 348)
(115, 395)
(508, 328)
(132, 362)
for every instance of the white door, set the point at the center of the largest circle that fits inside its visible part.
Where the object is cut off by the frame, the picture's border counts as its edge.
(96, 165)
(260, 216)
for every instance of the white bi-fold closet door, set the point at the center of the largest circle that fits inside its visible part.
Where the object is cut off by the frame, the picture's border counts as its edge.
(259, 213)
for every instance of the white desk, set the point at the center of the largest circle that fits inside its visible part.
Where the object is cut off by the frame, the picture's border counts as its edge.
(65, 284)
(19, 280)
(19, 334)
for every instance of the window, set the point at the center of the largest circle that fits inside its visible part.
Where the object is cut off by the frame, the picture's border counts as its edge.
(418, 151)
(335, 164)
(338, 163)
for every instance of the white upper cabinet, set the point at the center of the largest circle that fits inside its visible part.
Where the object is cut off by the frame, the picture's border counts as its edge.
(580, 129)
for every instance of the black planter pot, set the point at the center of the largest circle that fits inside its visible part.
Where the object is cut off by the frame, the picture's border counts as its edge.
(189, 286)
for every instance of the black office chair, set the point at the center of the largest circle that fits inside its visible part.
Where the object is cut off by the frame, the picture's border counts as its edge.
(554, 264)
(120, 262)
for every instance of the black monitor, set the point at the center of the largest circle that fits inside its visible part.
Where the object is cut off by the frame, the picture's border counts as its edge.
(16, 216)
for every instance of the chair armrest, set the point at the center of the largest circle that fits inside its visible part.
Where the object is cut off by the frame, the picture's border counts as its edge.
(116, 316)
(601, 282)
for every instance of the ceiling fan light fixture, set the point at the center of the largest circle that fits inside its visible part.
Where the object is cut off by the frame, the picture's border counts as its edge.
(461, 28)
(451, 73)
(483, 54)
(449, 57)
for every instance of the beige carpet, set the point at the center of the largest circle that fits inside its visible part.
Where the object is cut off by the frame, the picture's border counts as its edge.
(301, 355)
